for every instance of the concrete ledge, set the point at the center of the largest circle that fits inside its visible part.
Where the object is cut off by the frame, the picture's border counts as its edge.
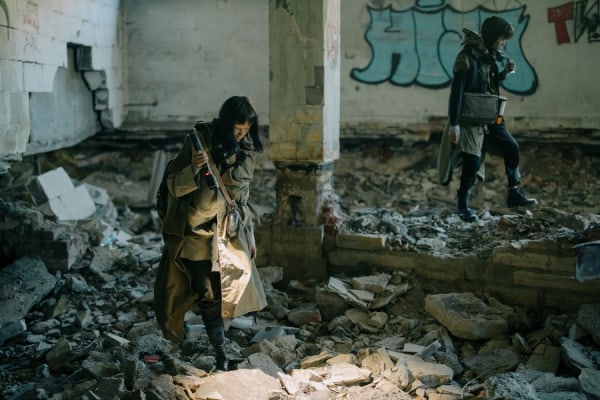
(425, 265)
(361, 241)
(539, 275)
(545, 258)
(561, 282)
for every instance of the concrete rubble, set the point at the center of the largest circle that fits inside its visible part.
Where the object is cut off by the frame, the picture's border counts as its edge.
(78, 322)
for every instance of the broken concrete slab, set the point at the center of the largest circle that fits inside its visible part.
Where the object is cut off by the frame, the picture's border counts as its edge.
(509, 386)
(49, 185)
(575, 355)
(239, 384)
(347, 374)
(11, 329)
(589, 381)
(588, 317)
(371, 322)
(491, 362)
(465, 315)
(420, 368)
(23, 284)
(56, 195)
(545, 358)
(72, 205)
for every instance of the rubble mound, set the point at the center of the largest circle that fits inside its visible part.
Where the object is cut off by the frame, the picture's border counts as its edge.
(377, 336)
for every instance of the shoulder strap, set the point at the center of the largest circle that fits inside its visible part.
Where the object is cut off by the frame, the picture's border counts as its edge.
(220, 183)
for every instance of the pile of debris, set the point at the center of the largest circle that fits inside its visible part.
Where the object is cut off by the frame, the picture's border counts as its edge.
(78, 321)
(89, 332)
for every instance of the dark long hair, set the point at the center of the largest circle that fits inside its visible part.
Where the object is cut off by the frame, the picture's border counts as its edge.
(238, 110)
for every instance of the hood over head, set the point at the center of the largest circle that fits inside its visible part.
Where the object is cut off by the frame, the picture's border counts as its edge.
(494, 27)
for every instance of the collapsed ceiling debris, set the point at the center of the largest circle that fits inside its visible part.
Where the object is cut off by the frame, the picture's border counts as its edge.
(83, 325)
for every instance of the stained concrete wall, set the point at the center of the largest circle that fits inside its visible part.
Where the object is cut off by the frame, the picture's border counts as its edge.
(39, 92)
(396, 61)
(185, 57)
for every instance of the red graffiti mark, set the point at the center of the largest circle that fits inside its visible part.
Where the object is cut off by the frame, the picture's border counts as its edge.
(31, 41)
(559, 15)
(31, 16)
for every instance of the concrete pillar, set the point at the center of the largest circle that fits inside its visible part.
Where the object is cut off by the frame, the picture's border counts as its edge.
(304, 105)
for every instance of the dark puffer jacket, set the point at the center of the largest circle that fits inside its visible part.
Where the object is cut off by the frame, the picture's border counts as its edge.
(473, 70)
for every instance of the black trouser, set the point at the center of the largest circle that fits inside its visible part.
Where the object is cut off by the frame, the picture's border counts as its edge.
(208, 286)
(500, 142)
(470, 167)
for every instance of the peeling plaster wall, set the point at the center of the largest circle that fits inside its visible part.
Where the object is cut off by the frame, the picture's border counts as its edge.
(37, 82)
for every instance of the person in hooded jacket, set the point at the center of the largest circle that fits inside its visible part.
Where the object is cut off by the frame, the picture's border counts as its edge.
(476, 70)
(200, 263)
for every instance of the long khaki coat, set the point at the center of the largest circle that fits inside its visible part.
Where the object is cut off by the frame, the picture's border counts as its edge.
(242, 290)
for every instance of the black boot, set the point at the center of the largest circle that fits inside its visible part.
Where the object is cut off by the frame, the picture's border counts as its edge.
(216, 336)
(516, 198)
(464, 212)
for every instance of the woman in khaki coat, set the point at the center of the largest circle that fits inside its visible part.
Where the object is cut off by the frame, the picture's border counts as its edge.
(200, 263)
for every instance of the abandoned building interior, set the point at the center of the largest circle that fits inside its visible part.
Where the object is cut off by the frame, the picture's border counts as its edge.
(375, 287)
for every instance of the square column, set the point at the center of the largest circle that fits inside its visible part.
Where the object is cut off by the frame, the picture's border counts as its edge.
(304, 115)
(304, 93)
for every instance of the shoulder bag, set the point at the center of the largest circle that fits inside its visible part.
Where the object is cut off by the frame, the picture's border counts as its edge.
(481, 108)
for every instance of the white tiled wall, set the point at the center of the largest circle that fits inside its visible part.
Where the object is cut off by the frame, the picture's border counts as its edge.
(35, 45)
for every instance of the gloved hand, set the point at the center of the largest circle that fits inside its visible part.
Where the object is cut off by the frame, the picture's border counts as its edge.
(454, 132)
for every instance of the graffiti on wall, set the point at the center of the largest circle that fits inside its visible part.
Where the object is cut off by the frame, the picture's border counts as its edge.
(417, 46)
(31, 19)
(585, 16)
(4, 8)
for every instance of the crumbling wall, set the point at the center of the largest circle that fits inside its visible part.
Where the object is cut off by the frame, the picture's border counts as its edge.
(42, 45)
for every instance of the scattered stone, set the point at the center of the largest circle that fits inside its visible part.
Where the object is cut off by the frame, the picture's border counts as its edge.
(574, 354)
(23, 284)
(588, 318)
(465, 316)
(509, 386)
(95, 327)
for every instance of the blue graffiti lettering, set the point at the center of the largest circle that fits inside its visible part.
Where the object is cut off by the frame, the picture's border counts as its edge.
(417, 47)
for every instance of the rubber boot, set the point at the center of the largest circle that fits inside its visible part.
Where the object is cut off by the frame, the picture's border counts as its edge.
(516, 198)
(216, 336)
(464, 212)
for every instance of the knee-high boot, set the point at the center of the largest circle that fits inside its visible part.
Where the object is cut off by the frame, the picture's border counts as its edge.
(471, 164)
(216, 336)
